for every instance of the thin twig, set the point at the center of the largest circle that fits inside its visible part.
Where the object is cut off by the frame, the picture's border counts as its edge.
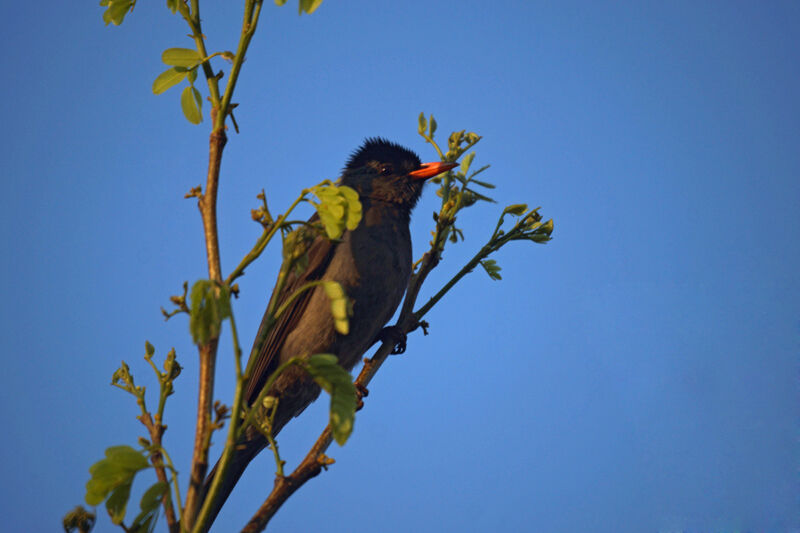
(156, 430)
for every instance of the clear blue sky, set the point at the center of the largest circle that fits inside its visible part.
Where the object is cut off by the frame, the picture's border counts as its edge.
(639, 373)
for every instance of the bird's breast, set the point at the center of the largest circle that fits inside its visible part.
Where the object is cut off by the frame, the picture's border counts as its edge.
(374, 271)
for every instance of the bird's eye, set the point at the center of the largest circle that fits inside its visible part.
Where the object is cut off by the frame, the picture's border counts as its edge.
(386, 170)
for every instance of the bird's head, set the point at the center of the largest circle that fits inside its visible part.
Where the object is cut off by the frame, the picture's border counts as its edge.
(385, 171)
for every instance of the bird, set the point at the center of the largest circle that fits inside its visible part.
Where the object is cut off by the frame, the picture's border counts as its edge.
(372, 263)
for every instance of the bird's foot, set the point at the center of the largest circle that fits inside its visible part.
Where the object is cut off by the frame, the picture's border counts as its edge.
(395, 336)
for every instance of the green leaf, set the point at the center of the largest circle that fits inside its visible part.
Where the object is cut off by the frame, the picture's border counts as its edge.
(192, 75)
(210, 305)
(484, 184)
(105, 476)
(181, 57)
(516, 209)
(324, 367)
(172, 5)
(542, 234)
(433, 126)
(280, 2)
(146, 525)
(148, 506)
(353, 206)
(127, 457)
(309, 6)
(149, 349)
(169, 78)
(325, 370)
(492, 268)
(118, 468)
(466, 162)
(344, 402)
(151, 499)
(479, 196)
(191, 103)
(423, 124)
(117, 503)
(117, 9)
(340, 306)
(339, 208)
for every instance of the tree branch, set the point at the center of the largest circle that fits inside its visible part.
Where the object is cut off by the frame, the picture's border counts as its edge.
(207, 203)
(156, 430)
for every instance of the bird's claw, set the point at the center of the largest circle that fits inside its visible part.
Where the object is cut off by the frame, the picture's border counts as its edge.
(395, 336)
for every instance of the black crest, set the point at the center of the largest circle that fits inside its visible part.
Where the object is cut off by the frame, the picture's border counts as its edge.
(381, 150)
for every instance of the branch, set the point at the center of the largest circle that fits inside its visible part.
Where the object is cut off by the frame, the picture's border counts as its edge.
(156, 430)
(205, 511)
(207, 204)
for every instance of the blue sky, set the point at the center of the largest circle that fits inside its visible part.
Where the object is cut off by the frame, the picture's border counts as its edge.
(638, 373)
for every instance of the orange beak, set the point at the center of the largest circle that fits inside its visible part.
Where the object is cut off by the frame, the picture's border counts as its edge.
(429, 170)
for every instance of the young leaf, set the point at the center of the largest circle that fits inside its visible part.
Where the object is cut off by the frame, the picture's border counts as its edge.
(542, 234)
(309, 6)
(191, 103)
(353, 206)
(325, 370)
(117, 9)
(118, 468)
(492, 268)
(432, 129)
(339, 207)
(168, 78)
(466, 162)
(516, 209)
(479, 196)
(149, 506)
(210, 305)
(181, 57)
(340, 306)
(117, 503)
(484, 184)
(127, 458)
(423, 123)
(152, 496)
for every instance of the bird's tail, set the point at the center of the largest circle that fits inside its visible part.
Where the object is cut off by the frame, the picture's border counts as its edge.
(241, 458)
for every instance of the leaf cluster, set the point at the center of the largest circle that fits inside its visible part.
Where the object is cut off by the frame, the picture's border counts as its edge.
(111, 480)
(338, 208)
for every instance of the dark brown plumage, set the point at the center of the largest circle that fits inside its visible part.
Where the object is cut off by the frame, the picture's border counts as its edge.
(372, 263)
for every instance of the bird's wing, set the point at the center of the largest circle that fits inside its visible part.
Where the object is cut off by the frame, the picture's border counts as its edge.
(320, 253)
